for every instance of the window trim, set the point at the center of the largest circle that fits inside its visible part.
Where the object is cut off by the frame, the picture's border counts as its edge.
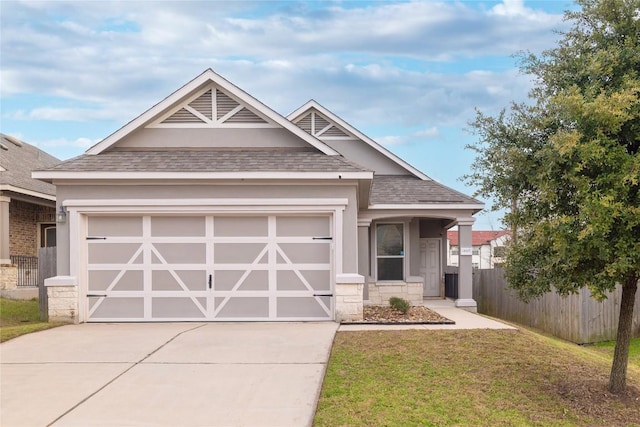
(404, 250)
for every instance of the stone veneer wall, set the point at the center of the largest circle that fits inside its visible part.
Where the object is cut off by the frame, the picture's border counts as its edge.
(348, 297)
(62, 296)
(412, 290)
(8, 277)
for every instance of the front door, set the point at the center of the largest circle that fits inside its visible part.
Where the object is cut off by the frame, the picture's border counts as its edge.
(430, 266)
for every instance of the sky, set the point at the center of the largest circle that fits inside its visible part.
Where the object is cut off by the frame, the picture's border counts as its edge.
(409, 74)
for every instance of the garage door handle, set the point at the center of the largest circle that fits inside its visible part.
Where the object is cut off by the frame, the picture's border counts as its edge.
(322, 295)
(323, 238)
(210, 280)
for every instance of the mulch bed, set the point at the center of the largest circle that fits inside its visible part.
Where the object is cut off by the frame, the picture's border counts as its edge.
(386, 315)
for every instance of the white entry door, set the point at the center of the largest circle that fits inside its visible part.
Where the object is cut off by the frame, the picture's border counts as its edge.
(240, 267)
(430, 266)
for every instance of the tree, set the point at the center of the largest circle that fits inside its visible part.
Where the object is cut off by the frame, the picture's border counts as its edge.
(569, 165)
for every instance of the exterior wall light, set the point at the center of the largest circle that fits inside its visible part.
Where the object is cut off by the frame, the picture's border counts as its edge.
(61, 216)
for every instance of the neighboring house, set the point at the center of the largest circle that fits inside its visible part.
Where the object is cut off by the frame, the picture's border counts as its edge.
(487, 248)
(27, 209)
(211, 206)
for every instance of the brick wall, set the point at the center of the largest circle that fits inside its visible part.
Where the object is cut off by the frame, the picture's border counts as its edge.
(23, 226)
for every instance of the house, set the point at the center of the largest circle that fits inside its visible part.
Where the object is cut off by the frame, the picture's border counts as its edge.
(487, 248)
(212, 206)
(27, 211)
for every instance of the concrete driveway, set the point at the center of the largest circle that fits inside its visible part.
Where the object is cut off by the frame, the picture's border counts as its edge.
(171, 374)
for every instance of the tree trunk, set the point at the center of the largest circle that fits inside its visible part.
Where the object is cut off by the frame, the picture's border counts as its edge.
(618, 378)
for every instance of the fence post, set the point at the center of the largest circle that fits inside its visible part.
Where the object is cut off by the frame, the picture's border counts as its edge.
(47, 267)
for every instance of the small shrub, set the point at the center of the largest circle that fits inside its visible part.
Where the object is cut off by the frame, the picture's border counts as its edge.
(400, 304)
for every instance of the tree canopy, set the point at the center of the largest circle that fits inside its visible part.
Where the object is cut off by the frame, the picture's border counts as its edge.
(567, 165)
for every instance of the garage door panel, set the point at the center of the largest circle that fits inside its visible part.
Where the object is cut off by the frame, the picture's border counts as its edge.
(178, 308)
(240, 253)
(114, 253)
(302, 226)
(303, 253)
(243, 307)
(319, 280)
(288, 280)
(179, 253)
(194, 280)
(162, 280)
(314, 307)
(118, 308)
(240, 226)
(131, 280)
(100, 280)
(121, 226)
(182, 226)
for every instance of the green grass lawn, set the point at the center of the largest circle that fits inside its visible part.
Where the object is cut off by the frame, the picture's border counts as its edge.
(634, 350)
(19, 317)
(477, 377)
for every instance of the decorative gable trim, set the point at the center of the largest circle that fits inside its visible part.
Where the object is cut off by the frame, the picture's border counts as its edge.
(211, 107)
(190, 94)
(315, 124)
(305, 115)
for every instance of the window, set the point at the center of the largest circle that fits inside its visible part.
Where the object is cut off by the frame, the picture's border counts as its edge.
(476, 250)
(454, 250)
(390, 251)
(47, 235)
(499, 251)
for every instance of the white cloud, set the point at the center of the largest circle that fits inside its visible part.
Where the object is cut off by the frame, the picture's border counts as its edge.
(64, 114)
(81, 142)
(390, 140)
(432, 132)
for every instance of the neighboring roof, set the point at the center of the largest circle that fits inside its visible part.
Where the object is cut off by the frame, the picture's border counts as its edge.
(188, 163)
(206, 78)
(17, 160)
(364, 138)
(478, 238)
(409, 190)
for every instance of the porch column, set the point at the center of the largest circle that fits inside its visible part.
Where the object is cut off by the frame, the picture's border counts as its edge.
(465, 268)
(363, 254)
(4, 230)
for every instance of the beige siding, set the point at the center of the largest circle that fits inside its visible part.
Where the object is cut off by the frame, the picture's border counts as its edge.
(211, 138)
(362, 154)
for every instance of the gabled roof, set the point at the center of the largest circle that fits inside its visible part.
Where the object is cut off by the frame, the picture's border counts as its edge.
(478, 238)
(17, 160)
(412, 192)
(313, 105)
(191, 90)
(211, 164)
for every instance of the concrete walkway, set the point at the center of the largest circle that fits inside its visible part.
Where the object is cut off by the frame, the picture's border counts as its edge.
(446, 308)
(171, 374)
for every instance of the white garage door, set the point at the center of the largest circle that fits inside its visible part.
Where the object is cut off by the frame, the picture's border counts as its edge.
(197, 268)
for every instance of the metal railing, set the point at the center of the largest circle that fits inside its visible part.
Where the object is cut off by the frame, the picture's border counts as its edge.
(27, 270)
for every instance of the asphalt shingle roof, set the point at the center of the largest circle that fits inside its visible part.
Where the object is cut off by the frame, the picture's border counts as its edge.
(409, 190)
(208, 161)
(18, 159)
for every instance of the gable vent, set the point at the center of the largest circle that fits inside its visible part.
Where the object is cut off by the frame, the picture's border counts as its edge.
(224, 104)
(321, 123)
(334, 131)
(305, 123)
(245, 116)
(203, 104)
(212, 108)
(182, 116)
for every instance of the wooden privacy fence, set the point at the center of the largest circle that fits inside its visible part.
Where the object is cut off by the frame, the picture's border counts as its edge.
(47, 261)
(578, 318)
